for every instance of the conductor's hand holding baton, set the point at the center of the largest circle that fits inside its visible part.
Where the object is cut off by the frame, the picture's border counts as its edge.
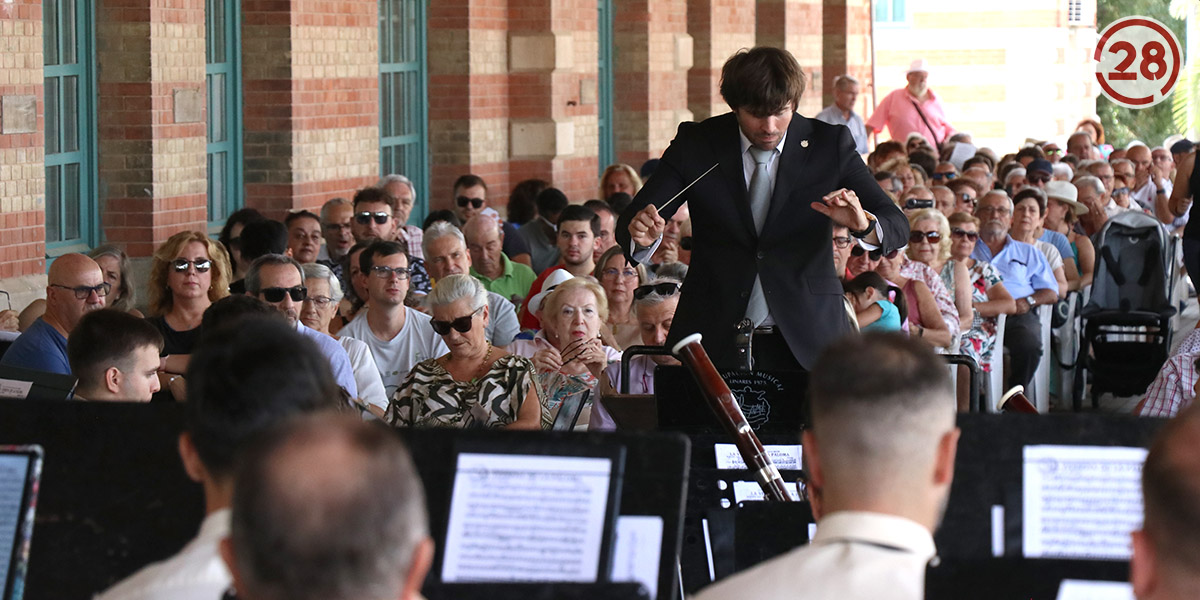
(647, 227)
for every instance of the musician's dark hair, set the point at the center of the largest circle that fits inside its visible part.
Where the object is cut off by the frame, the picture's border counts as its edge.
(308, 532)
(578, 212)
(762, 80)
(108, 338)
(871, 279)
(242, 379)
(1171, 492)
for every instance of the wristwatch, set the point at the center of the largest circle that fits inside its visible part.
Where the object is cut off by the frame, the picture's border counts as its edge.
(1031, 301)
(870, 226)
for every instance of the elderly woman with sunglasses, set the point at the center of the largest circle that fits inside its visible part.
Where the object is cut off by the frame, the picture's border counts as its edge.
(475, 384)
(929, 243)
(619, 278)
(989, 297)
(931, 312)
(189, 273)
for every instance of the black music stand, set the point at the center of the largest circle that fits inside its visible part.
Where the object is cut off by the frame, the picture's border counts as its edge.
(1008, 578)
(537, 591)
(773, 402)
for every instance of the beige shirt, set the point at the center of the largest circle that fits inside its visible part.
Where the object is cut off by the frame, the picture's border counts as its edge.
(854, 555)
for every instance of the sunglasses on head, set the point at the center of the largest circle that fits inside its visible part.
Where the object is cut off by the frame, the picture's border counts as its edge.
(917, 237)
(364, 218)
(666, 288)
(181, 265)
(463, 201)
(961, 233)
(276, 294)
(941, 176)
(461, 324)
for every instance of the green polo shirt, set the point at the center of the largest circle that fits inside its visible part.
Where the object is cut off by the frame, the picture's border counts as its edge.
(514, 282)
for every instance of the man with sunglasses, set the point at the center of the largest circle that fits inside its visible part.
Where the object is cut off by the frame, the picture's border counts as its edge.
(279, 281)
(470, 198)
(376, 218)
(76, 287)
(762, 217)
(399, 336)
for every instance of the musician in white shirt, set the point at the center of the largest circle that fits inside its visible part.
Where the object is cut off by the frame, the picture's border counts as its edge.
(880, 459)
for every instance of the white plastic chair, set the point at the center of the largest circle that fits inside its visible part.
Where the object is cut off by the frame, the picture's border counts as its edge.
(1041, 377)
(994, 377)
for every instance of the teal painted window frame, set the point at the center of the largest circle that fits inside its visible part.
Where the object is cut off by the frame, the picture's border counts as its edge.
(59, 118)
(605, 85)
(223, 127)
(891, 12)
(404, 115)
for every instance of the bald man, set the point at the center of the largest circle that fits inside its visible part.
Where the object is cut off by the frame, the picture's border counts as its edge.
(880, 459)
(76, 287)
(1166, 550)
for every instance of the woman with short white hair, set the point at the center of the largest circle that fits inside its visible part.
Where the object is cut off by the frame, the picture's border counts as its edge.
(476, 384)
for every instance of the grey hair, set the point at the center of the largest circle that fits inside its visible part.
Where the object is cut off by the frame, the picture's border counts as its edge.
(389, 179)
(654, 298)
(438, 230)
(1001, 193)
(844, 80)
(1062, 168)
(253, 276)
(1122, 161)
(328, 206)
(1017, 172)
(674, 270)
(1092, 181)
(452, 288)
(316, 271)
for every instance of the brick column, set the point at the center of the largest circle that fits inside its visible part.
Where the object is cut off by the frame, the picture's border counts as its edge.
(22, 152)
(311, 92)
(718, 28)
(653, 53)
(151, 121)
(795, 25)
(847, 49)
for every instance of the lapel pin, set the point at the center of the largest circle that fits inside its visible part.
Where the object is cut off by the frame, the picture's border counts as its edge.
(803, 143)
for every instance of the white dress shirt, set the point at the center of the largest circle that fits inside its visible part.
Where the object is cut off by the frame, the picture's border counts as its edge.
(196, 573)
(854, 555)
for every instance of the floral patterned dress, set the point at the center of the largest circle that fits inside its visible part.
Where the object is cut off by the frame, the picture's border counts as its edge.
(979, 341)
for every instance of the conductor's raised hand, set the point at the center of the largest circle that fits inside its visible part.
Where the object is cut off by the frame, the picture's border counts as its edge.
(842, 207)
(647, 226)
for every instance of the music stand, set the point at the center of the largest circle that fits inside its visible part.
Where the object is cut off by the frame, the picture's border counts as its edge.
(1007, 578)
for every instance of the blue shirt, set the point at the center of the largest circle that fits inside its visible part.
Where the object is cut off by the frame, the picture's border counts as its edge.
(1060, 243)
(833, 115)
(41, 347)
(1023, 267)
(888, 321)
(343, 372)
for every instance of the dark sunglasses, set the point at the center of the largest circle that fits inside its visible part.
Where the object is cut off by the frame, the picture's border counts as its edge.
(83, 291)
(965, 197)
(941, 176)
(461, 324)
(276, 294)
(463, 201)
(181, 265)
(364, 218)
(875, 254)
(960, 233)
(917, 237)
(1038, 178)
(666, 288)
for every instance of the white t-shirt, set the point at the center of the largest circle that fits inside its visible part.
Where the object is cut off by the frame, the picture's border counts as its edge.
(396, 357)
(366, 373)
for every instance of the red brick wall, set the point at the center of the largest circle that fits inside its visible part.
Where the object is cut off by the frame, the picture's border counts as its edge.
(654, 51)
(22, 155)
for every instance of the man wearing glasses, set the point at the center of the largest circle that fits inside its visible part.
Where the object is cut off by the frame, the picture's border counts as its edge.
(279, 281)
(399, 336)
(76, 288)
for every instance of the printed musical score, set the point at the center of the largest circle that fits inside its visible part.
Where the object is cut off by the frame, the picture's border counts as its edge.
(14, 469)
(637, 551)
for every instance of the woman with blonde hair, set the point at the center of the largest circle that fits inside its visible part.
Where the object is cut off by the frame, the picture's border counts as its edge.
(619, 178)
(929, 242)
(902, 169)
(189, 273)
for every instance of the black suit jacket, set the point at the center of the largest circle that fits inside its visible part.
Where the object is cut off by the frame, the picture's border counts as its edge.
(793, 255)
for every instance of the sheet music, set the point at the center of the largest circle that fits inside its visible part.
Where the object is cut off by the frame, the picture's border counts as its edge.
(785, 457)
(1078, 589)
(526, 518)
(1081, 501)
(14, 468)
(637, 551)
(752, 491)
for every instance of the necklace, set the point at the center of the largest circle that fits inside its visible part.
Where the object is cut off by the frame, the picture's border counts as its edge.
(483, 366)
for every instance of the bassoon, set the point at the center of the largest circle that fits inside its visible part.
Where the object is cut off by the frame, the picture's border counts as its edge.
(722, 402)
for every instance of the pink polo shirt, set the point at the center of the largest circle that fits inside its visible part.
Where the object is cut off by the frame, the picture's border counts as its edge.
(898, 112)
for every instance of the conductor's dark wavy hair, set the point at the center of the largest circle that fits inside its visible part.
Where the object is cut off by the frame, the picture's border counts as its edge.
(762, 80)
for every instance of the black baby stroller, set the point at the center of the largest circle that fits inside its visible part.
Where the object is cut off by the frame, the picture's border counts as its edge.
(1127, 320)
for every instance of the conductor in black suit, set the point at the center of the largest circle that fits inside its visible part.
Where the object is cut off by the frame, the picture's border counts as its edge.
(763, 218)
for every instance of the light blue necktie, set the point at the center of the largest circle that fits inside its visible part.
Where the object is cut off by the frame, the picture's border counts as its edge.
(760, 204)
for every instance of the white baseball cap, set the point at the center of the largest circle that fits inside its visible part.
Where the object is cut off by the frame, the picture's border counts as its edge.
(918, 65)
(556, 277)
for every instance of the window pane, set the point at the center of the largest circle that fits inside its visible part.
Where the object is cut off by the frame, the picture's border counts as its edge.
(216, 109)
(399, 104)
(71, 204)
(70, 55)
(409, 31)
(53, 116)
(50, 31)
(70, 114)
(218, 181)
(386, 94)
(53, 201)
(218, 25)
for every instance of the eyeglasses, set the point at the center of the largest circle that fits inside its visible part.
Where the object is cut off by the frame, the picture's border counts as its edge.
(666, 288)
(319, 301)
(965, 197)
(383, 272)
(842, 241)
(1120, 191)
(917, 237)
(461, 324)
(1037, 178)
(181, 265)
(336, 227)
(275, 295)
(941, 176)
(463, 201)
(611, 273)
(962, 233)
(1000, 210)
(82, 291)
(364, 218)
